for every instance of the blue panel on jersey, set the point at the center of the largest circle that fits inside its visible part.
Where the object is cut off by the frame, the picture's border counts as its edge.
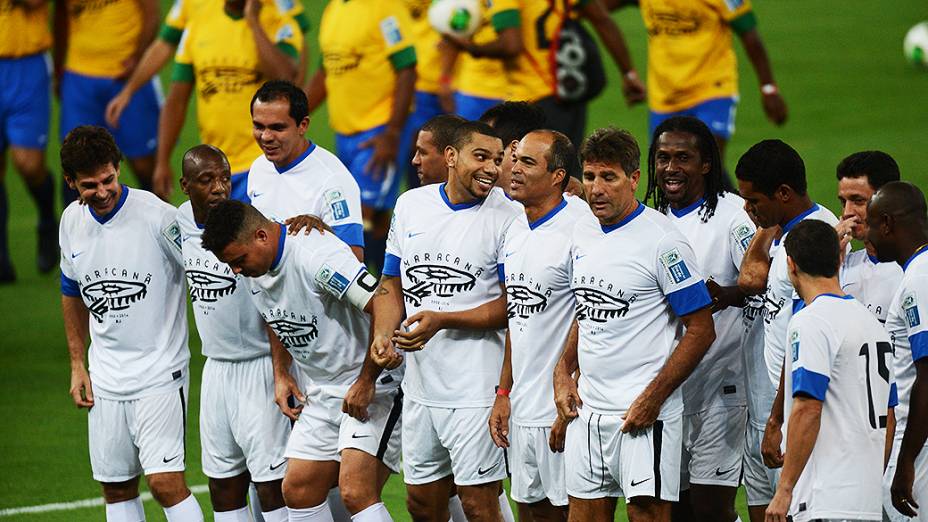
(807, 382)
(352, 234)
(893, 396)
(69, 287)
(391, 265)
(798, 304)
(122, 200)
(919, 344)
(690, 299)
(280, 246)
(501, 272)
(792, 223)
(240, 188)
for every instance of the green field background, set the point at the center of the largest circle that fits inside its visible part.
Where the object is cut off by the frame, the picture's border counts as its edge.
(839, 66)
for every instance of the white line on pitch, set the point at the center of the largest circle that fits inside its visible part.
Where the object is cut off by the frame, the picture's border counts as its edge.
(78, 504)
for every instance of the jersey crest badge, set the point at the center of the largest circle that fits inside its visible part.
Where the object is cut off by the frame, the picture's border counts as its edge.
(676, 267)
(172, 234)
(334, 282)
(390, 29)
(794, 344)
(337, 204)
(744, 235)
(910, 306)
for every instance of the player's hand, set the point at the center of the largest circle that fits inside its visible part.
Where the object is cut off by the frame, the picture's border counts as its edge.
(385, 147)
(770, 446)
(285, 387)
(723, 296)
(358, 398)
(384, 353)
(558, 435)
(566, 396)
(81, 391)
(252, 9)
(845, 230)
(901, 489)
(633, 89)
(774, 107)
(162, 181)
(641, 414)
(424, 326)
(307, 223)
(115, 108)
(778, 508)
(499, 421)
(575, 188)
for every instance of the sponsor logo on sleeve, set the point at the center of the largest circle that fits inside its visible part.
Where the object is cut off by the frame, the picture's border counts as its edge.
(333, 282)
(337, 204)
(910, 307)
(744, 235)
(676, 267)
(794, 344)
(172, 234)
(390, 29)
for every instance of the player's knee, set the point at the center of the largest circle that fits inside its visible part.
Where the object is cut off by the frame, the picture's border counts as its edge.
(300, 494)
(226, 495)
(713, 510)
(114, 492)
(168, 488)
(30, 163)
(357, 497)
(481, 506)
(420, 507)
(270, 494)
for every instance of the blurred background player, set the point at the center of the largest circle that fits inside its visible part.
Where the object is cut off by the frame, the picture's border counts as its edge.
(227, 52)
(431, 141)
(532, 78)
(92, 66)
(24, 112)
(512, 121)
(685, 183)
(368, 75)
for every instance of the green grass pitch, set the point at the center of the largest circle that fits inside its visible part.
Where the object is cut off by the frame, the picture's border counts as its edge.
(840, 68)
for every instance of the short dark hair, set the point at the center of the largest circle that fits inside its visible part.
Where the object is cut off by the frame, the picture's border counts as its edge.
(87, 148)
(203, 152)
(770, 164)
(228, 222)
(562, 155)
(813, 245)
(878, 167)
(612, 146)
(442, 128)
(514, 119)
(465, 131)
(283, 90)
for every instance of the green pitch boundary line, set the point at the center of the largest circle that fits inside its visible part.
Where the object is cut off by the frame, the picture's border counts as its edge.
(79, 504)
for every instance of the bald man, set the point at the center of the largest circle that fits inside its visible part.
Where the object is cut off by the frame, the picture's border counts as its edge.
(898, 230)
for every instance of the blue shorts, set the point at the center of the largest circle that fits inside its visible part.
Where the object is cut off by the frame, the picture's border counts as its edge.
(473, 107)
(717, 114)
(25, 101)
(83, 102)
(379, 193)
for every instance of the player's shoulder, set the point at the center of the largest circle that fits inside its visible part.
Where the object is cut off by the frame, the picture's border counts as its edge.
(146, 203)
(497, 199)
(823, 214)
(654, 221)
(326, 167)
(184, 216)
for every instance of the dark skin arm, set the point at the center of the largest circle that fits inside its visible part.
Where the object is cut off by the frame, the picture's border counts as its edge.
(724, 296)
(447, 57)
(272, 62)
(499, 416)
(566, 397)
(752, 279)
(169, 126)
(488, 316)
(156, 56)
(507, 45)
(285, 385)
(773, 433)
(916, 433)
(386, 144)
(388, 312)
(315, 90)
(151, 13)
(77, 332)
(611, 37)
(60, 41)
(774, 105)
(805, 420)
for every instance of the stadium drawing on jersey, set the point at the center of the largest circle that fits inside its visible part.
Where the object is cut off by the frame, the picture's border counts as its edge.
(523, 302)
(294, 330)
(113, 290)
(598, 305)
(771, 307)
(430, 279)
(208, 281)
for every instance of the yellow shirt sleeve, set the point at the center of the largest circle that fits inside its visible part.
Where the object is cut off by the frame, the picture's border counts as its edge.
(396, 31)
(737, 13)
(174, 23)
(183, 61)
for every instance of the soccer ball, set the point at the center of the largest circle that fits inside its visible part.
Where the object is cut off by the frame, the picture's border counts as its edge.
(455, 17)
(915, 45)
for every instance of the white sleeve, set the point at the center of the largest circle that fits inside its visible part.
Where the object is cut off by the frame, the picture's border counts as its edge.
(394, 252)
(813, 347)
(336, 271)
(169, 236)
(678, 275)
(914, 305)
(742, 232)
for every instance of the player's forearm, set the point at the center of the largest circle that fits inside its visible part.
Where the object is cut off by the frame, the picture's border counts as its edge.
(757, 53)
(507, 45)
(273, 63)
(402, 99)
(156, 56)
(568, 363)
(916, 428)
(804, 424)
(172, 120)
(505, 375)
(151, 14)
(369, 369)
(775, 420)
(280, 357)
(610, 35)
(76, 328)
(699, 335)
(488, 316)
(315, 90)
(447, 59)
(60, 40)
(890, 435)
(752, 278)
(388, 307)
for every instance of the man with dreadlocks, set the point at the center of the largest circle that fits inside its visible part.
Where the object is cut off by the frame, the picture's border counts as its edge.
(685, 182)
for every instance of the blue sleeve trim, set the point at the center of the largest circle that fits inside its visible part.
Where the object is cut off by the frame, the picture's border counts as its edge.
(919, 344)
(240, 188)
(501, 272)
(69, 287)
(893, 396)
(807, 382)
(798, 304)
(690, 299)
(352, 234)
(391, 265)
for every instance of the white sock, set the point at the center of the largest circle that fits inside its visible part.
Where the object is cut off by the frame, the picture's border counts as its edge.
(339, 511)
(278, 515)
(376, 513)
(456, 509)
(187, 510)
(738, 518)
(320, 513)
(126, 511)
(236, 515)
(506, 508)
(254, 504)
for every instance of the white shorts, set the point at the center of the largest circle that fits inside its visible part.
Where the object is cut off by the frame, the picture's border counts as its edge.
(919, 486)
(760, 482)
(537, 472)
(604, 462)
(713, 447)
(438, 442)
(241, 427)
(324, 430)
(128, 438)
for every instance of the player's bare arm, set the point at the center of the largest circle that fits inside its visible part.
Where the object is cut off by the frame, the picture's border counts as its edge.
(77, 331)
(752, 279)
(306, 223)
(611, 36)
(499, 416)
(387, 311)
(506, 45)
(566, 396)
(169, 127)
(724, 296)
(361, 393)
(773, 434)
(699, 335)
(386, 144)
(151, 13)
(913, 442)
(59, 42)
(447, 58)
(804, 423)
(425, 324)
(285, 385)
(273, 63)
(156, 56)
(773, 103)
(890, 434)
(315, 90)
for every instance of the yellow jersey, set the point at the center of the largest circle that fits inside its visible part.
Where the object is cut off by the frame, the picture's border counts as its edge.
(96, 52)
(218, 54)
(690, 54)
(182, 10)
(23, 31)
(486, 77)
(428, 63)
(363, 43)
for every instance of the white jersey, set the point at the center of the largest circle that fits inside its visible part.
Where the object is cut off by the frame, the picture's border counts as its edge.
(632, 281)
(719, 244)
(449, 257)
(229, 325)
(760, 392)
(872, 283)
(127, 269)
(839, 354)
(540, 305)
(316, 183)
(781, 299)
(303, 298)
(909, 332)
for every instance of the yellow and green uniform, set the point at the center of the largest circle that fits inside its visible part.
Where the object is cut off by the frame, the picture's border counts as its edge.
(426, 39)
(486, 77)
(363, 43)
(690, 54)
(182, 10)
(23, 31)
(96, 52)
(218, 54)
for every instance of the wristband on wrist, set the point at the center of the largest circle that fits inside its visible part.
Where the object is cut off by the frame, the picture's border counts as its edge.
(502, 392)
(445, 79)
(631, 75)
(769, 89)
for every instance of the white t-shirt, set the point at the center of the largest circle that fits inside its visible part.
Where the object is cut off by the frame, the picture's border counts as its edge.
(230, 328)
(316, 183)
(719, 244)
(840, 354)
(540, 305)
(127, 268)
(781, 299)
(909, 331)
(449, 258)
(632, 281)
(870, 282)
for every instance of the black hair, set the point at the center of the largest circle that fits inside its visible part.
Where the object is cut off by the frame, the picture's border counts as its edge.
(770, 164)
(814, 248)
(562, 155)
(612, 146)
(283, 90)
(513, 120)
(87, 148)
(442, 128)
(464, 132)
(228, 222)
(708, 152)
(878, 167)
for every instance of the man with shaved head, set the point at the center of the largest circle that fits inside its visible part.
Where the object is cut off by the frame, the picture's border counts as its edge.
(898, 231)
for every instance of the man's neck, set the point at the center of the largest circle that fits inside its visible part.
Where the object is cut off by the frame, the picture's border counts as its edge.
(297, 152)
(912, 245)
(536, 210)
(691, 201)
(199, 214)
(811, 287)
(621, 215)
(456, 192)
(796, 208)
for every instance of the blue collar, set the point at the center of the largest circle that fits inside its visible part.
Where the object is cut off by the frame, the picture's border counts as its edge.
(459, 206)
(846, 297)
(633, 215)
(917, 253)
(280, 247)
(309, 150)
(551, 213)
(686, 210)
(122, 200)
(873, 259)
(792, 223)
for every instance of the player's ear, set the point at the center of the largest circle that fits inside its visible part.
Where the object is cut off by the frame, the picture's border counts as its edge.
(559, 176)
(451, 156)
(303, 126)
(634, 178)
